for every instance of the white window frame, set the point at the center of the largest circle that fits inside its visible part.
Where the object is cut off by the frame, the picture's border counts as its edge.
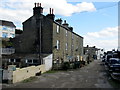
(26, 61)
(58, 44)
(66, 45)
(58, 29)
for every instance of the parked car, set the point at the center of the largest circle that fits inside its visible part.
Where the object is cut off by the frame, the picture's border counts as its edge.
(114, 68)
(107, 58)
(115, 76)
(103, 58)
(115, 55)
(114, 64)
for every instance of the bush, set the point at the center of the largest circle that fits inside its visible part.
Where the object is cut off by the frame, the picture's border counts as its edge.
(76, 64)
(66, 66)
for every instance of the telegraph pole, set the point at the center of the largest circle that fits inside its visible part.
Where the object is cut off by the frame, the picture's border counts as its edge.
(40, 28)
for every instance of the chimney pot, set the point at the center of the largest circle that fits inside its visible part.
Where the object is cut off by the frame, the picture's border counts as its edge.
(52, 10)
(65, 24)
(59, 21)
(87, 45)
(40, 4)
(64, 21)
(35, 4)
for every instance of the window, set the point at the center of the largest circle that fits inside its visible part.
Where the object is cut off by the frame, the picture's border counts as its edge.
(29, 61)
(58, 29)
(12, 35)
(12, 60)
(66, 46)
(26, 61)
(35, 61)
(76, 48)
(17, 60)
(66, 33)
(58, 44)
(11, 29)
(4, 34)
(4, 28)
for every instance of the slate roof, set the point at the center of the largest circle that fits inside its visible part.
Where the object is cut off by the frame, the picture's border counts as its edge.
(7, 23)
(18, 31)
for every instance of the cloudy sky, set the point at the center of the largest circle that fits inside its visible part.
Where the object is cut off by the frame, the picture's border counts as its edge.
(97, 21)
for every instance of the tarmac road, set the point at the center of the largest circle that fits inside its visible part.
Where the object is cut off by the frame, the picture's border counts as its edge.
(91, 76)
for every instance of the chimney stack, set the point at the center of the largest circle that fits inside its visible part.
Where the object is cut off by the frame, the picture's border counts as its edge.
(51, 15)
(37, 10)
(71, 29)
(87, 46)
(59, 21)
(65, 24)
(93, 46)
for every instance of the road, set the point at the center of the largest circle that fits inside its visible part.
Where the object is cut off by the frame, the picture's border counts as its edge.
(92, 75)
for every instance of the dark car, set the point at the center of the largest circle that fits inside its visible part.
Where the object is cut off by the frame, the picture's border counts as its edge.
(107, 58)
(114, 64)
(103, 58)
(114, 68)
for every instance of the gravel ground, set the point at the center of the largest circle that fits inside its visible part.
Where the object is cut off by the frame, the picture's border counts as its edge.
(91, 76)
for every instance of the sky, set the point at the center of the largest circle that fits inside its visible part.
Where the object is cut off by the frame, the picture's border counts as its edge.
(96, 21)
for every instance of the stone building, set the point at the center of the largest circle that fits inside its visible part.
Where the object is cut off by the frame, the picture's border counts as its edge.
(42, 35)
(18, 32)
(91, 53)
(7, 29)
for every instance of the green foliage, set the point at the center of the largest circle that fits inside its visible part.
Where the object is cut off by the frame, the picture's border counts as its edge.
(76, 64)
(6, 43)
(66, 66)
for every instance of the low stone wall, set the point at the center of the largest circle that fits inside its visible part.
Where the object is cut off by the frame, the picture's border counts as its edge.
(24, 73)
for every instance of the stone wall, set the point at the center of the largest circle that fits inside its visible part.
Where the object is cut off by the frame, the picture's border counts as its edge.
(24, 73)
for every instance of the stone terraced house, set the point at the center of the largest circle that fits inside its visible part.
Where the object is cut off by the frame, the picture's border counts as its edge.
(42, 36)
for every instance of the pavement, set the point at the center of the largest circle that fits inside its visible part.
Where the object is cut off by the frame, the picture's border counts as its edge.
(92, 75)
